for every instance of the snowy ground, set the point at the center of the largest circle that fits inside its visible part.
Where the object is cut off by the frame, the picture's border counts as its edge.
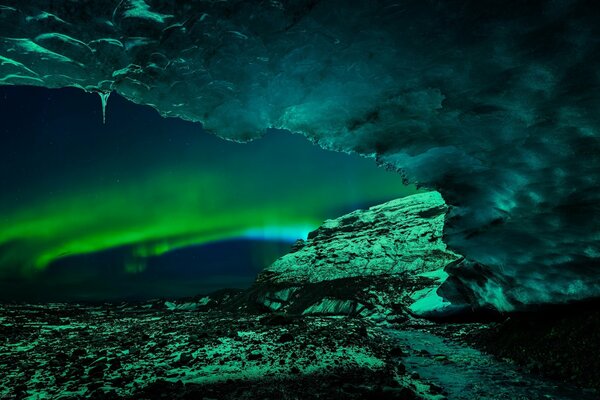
(172, 350)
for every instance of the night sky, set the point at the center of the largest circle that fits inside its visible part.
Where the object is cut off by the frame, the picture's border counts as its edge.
(145, 206)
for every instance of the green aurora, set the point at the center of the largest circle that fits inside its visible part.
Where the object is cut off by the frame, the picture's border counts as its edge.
(160, 196)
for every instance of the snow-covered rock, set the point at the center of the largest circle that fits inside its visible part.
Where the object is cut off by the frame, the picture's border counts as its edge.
(390, 255)
(403, 235)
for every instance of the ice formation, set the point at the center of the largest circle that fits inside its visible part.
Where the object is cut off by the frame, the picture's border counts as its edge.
(104, 100)
(494, 104)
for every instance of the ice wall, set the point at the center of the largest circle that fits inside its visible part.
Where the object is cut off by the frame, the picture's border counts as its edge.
(495, 104)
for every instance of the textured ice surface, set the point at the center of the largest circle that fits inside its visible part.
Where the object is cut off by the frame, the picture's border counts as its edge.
(492, 103)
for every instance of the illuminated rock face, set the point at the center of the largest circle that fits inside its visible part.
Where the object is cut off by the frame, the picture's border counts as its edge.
(365, 262)
(399, 236)
(494, 104)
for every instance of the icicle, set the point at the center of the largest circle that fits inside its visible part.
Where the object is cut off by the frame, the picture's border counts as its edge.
(104, 99)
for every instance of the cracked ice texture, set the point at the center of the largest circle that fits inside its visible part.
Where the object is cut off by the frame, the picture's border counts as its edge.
(494, 104)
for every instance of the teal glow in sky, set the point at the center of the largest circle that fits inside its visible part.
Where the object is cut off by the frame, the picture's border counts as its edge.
(147, 186)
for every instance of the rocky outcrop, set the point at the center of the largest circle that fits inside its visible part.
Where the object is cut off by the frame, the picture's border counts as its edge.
(376, 262)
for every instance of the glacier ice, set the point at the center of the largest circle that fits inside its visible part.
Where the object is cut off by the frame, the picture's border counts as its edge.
(494, 104)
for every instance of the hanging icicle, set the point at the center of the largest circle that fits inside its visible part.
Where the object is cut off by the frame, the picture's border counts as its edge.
(104, 99)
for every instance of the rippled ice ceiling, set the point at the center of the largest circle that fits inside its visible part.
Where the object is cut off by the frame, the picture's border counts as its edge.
(494, 104)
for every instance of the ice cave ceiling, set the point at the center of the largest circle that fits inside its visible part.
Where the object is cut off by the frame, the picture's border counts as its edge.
(492, 103)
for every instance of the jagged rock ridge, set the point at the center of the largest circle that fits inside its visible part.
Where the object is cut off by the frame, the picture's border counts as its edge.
(368, 261)
(403, 235)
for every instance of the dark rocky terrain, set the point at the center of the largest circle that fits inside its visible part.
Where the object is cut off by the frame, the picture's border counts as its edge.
(199, 349)
(561, 342)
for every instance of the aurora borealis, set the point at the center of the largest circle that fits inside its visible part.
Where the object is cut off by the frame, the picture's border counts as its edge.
(88, 202)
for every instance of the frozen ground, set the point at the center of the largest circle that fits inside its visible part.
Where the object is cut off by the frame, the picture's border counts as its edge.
(164, 350)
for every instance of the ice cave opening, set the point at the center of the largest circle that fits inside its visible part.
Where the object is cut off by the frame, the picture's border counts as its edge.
(369, 172)
(140, 206)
